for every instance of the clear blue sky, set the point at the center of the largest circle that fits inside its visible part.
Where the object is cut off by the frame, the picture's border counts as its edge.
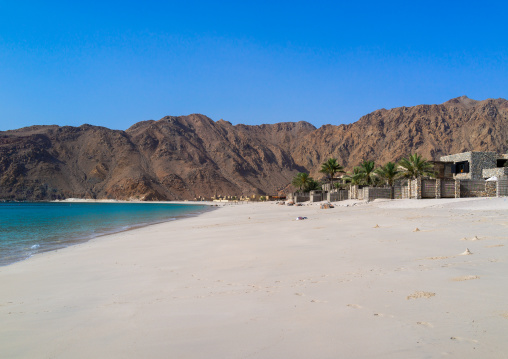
(115, 63)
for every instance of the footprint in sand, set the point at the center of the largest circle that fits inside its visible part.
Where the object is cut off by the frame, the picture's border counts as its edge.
(465, 277)
(460, 339)
(383, 315)
(475, 238)
(425, 324)
(355, 306)
(436, 258)
(420, 294)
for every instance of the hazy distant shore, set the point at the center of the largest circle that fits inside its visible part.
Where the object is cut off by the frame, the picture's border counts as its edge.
(386, 279)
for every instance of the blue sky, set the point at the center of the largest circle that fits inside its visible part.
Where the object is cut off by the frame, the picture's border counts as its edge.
(115, 63)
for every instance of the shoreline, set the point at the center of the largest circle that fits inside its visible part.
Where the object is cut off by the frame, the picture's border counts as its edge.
(87, 200)
(356, 281)
(111, 231)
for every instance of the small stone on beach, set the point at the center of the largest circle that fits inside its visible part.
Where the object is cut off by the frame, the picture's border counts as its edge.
(466, 252)
(326, 206)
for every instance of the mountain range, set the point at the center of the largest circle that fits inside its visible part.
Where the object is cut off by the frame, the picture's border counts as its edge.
(188, 157)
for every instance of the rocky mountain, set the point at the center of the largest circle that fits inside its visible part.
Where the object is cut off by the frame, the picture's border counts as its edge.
(458, 125)
(191, 156)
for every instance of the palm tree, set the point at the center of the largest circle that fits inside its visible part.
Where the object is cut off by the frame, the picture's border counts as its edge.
(377, 181)
(330, 168)
(355, 177)
(389, 172)
(301, 180)
(341, 185)
(415, 166)
(367, 171)
(305, 183)
(312, 185)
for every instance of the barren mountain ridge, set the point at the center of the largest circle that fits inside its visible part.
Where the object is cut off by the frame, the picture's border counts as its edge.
(186, 157)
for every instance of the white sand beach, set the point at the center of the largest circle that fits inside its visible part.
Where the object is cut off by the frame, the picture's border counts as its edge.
(387, 279)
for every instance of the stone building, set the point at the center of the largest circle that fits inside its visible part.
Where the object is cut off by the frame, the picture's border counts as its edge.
(476, 165)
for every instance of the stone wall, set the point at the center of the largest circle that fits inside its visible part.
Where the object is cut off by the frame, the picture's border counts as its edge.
(498, 172)
(400, 192)
(360, 194)
(481, 161)
(502, 187)
(477, 188)
(420, 188)
(438, 188)
(372, 193)
(447, 188)
(353, 192)
(337, 195)
(429, 189)
(415, 188)
(301, 197)
(316, 196)
(400, 189)
(326, 187)
(491, 189)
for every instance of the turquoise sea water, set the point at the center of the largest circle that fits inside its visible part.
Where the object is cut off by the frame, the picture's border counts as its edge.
(30, 228)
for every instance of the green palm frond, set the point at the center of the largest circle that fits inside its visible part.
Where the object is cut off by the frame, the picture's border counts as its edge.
(367, 170)
(388, 173)
(330, 168)
(355, 177)
(304, 182)
(415, 166)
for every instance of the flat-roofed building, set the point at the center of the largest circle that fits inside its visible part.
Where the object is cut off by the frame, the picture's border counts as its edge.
(475, 165)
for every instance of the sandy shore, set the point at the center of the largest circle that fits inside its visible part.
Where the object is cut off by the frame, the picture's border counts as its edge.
(386, 279)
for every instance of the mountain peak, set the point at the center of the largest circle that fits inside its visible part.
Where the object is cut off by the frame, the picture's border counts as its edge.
(462, 101)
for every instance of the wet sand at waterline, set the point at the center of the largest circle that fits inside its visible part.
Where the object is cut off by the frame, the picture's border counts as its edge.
(386, 279)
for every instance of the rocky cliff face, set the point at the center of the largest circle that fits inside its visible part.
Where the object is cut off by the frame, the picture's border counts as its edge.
(190, 156)
(458, 125)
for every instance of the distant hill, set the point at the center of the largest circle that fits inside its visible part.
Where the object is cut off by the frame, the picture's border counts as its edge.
(189, 156)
